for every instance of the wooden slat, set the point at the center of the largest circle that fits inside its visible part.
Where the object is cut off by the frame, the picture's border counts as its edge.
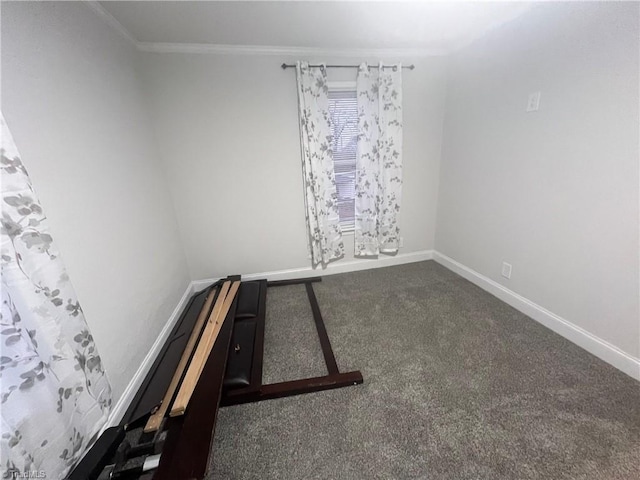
(155, 420)
(205, 345)
(187, 450)
(293, 387)
(325, 344)
(293, 281)
(219, 319)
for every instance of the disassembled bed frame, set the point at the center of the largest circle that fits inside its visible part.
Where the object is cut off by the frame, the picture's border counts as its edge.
(213, 357)
(255, 390)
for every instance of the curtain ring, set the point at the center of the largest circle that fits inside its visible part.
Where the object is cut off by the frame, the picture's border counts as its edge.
(395, 68)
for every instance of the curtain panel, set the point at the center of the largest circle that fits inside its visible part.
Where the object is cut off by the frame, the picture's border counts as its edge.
(321, 198)
(379, 160)
(54, 394)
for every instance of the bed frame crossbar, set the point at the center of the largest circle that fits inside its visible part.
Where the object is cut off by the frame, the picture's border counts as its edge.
(257, 392)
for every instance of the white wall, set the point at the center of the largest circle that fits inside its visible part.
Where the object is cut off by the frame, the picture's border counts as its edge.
(72, 100)
(228, 131)
(554, 192)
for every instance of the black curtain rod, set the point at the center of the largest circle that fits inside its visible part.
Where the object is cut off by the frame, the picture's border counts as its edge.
(285, 66)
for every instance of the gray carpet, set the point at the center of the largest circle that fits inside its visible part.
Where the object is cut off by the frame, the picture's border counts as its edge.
(458, 385)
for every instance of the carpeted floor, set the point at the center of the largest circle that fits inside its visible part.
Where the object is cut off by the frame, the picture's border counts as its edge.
(457, 385)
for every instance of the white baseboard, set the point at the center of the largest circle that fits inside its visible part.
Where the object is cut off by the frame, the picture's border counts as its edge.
(125, 400)
(332, 269)
(591, 343)
(121, 406)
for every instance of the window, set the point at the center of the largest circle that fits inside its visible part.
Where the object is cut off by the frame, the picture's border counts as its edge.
(344, 120)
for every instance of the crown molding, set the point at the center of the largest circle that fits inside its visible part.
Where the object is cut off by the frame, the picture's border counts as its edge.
(110, 20)
(220, 49)
(215, 49)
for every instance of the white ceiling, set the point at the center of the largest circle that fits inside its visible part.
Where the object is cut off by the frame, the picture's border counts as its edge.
(431, 26)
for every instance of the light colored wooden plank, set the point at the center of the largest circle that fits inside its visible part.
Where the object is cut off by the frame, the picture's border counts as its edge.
(219, 321)
(217, 308)
(202, 354)
(155, 420)
(183, 393)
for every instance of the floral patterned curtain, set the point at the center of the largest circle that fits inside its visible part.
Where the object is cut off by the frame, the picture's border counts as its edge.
(55, 396)
(379, 160)
(321, 198)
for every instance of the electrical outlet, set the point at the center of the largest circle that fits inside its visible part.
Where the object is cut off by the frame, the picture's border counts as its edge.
(506, 270)
(534, 102)
(401, 242)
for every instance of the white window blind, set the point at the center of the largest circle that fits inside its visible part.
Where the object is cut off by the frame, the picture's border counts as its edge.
(344, 120)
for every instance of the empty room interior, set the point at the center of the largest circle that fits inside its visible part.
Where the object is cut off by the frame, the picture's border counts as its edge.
(320, 240)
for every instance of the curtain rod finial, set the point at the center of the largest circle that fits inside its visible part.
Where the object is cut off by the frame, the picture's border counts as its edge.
(284, 66)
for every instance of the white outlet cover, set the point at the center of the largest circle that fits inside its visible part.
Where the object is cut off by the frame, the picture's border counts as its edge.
(506, 270)
(533, 104)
